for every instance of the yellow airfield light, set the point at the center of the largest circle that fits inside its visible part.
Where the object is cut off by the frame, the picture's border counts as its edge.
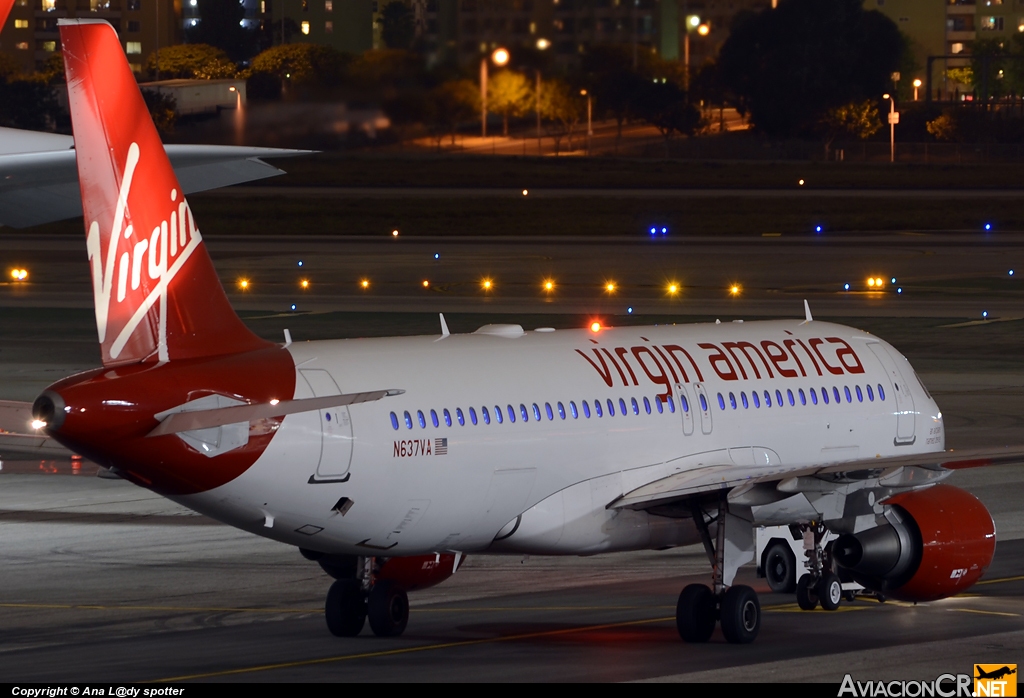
(19, 274)
(243, 284)
(876, 283)
(735, 289)
(304, 283)
(487, 284)
(610, 287)
(800, 182)
(394, 233)
(549, 285)
(672, 288)
(526, 192)
(426, 283)
(365, 283)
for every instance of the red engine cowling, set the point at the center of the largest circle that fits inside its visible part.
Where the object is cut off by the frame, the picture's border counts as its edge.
(419, 571)
(938, 542)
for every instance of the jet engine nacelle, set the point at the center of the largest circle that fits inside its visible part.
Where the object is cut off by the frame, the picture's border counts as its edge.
(418, 571)
(937, 542)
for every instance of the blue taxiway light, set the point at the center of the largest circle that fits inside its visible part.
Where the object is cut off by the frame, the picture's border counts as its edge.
(300, 262)
(629, 310)
(988, 226)
(846, 287)
(1011, 272)
(293, 306)
(892, 280)
(984, 313)
(437, 255)
(899, 290)
(664, 230)
(817, 228)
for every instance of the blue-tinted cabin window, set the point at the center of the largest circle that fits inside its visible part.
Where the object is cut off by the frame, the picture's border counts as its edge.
(767, 399)
(732, 400)
(421, 419)
(846, 389)
(394, 421)
(433, 418)
(647, 405)
(743, 399)
(472, 416)
(671, 405)
(408, 420)
(511, 414)
(447, 417)
(461, 417)
(485, 414)
(789, 394)
(881, 393)
(597, 408)
(814, 397)
(778, 398)
(536, 412)
(572, 409)
(611, 408)
(757, 400)
(871, 393)
(721, 401)
(835, 394)
(860, 395)
(497, 414)
(561, 410)
(586, 409)
(523, 413)
(682, 403)
(659, 403)
(703, 404)
(824, 395)
(803, 398)
(622, 407)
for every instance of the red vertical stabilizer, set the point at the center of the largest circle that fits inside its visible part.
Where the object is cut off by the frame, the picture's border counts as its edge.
(157, 295)
(5, 11)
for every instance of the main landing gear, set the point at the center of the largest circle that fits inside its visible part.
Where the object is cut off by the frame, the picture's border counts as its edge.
(735, 608)
(820, 584)
(356, 596)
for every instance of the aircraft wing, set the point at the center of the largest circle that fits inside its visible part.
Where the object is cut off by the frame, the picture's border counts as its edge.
(759, 484)
(40, 184)
(17, 438)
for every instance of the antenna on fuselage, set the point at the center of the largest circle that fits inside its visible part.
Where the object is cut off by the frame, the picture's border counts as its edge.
(807, 313)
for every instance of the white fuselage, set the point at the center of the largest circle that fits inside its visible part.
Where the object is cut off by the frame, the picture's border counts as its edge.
(358, 480)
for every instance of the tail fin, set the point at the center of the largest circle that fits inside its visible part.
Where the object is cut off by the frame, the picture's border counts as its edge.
(5, 10)
(157, 295)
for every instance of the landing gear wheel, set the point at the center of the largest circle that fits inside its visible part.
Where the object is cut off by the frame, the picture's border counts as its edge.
(388, 609)
(780, 568)
(695, 613)
(345, 610)
(830, 591)
(740, 615)
(806, 594)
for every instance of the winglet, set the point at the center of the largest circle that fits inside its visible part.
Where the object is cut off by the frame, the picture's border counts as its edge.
(444, 326)
(287, 338)
(807, 312)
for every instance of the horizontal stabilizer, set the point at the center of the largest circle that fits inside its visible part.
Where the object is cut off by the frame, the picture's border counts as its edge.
(207, 419)
(725, 477)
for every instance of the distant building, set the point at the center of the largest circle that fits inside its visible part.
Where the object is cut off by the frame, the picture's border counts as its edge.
(30, 34)
(346, 25)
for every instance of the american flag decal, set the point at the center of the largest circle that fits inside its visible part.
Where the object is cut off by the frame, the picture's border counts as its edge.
(441, 447)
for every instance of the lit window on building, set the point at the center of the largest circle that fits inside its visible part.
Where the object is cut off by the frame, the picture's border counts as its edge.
(305, 27)
(133, 48)
(22, 3)
(48, 45)
(135, 67)
(992, 24)
(263, 7)
(305, 5)
(99, 5)
(21, 24)
(21, 46)
(956, 47)
(49, 5)
(134, 5)
(329, 27)
(328, 5)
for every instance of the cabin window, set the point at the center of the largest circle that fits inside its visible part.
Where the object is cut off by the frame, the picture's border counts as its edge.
(460, 416)
(408, 420)
(835, 394)
(703, 404)
(721, 401)
(586, 409)
(394, 421)
(572, 408)
(622, 407)
(647, 405)
(547, 410)
(767, 399)
(660, 405)
(732, 400)
(682, 403)
(789, 394)
(486, 415)
(597, 408)
(611, 408)
(497, 414)
(778, 398)
(743, 399)
(561, 410)
(636, 407)
(757, 400)
(421, 419)
(871, 393)
(881, 393)
(536, 412)
(846, 389)
(433, 418)
(671, 405)
(447, 417)
(523, 413)
(803, 398)
(824, 395)
(860, 396)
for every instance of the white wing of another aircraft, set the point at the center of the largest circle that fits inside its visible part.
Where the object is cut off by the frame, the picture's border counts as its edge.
(39, 173)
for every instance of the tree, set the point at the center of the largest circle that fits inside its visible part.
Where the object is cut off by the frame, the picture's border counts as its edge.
(301, 64)
(191, 61)
(613, 83)
(790, 65)
(220, 24)
(665, 106)
(163, 109)
(397, 25)
(988, 65)
(9, 67)
(28, 102)
(450, 104)
(944, 127)
(383, 73)
(510, 94)
(562, 106)
(855, 120)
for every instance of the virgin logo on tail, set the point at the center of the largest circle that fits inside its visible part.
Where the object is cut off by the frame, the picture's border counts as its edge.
(138, 266)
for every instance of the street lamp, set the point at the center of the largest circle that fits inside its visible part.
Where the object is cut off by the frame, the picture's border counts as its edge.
(917, 85)
(692, 22)
(590, 129)
(500, 58)
(894, 118)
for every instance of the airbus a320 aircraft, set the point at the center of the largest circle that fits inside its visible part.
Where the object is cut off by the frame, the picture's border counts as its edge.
(388, 460)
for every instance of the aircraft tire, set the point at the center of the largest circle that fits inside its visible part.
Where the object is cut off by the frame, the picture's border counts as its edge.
(388, 610)
(780, 568)
(806, 593)
(695, 613)
(345, 610)
(740, 615)
(830, 591)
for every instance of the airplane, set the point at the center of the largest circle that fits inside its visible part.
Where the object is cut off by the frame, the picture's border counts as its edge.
(388, 460)
(995, 673)
(39, 180)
